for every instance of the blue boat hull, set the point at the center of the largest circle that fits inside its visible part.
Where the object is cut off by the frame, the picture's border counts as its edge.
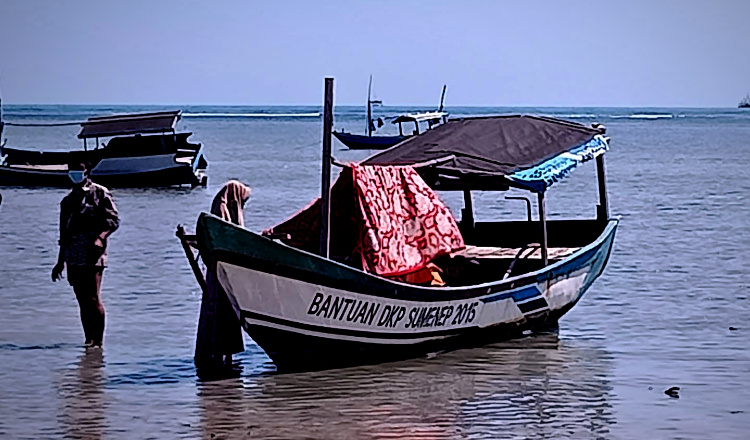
(362, 142)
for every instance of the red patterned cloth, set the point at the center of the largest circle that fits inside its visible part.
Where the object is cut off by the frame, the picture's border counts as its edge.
(405, 224)
(385, 217)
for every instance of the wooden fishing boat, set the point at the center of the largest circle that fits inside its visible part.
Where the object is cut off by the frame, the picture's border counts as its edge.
(369, 141)
(309, 309)
(144, 151)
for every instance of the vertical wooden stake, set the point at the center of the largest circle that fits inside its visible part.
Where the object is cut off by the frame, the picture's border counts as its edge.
(543, 221)
(325, 196)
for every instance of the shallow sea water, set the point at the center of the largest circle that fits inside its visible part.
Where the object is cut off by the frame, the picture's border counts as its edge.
(659, 316)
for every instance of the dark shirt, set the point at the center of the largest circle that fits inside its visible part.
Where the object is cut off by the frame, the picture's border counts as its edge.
(85, 213)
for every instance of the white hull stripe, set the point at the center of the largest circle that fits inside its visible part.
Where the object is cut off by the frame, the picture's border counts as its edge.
(339, 333)
(341, 337)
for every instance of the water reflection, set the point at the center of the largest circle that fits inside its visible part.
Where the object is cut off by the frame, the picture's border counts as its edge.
(537, 387)
(83, 399)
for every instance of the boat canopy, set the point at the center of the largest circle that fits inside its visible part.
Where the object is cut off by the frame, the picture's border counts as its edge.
(497, 152)
(419, 117)
(127, 124)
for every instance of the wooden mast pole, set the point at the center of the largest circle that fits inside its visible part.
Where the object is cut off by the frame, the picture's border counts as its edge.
(2, 124)
(369, 109)
(325, 196)
(543, 222)
(442, 98)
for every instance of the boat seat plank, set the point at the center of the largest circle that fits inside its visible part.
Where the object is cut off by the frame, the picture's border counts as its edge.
(55, 167)
(496, 252)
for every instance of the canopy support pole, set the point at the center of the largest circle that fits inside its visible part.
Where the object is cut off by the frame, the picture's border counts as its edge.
(602, 209)
(325, 196)
(467, 214)
(543, 222)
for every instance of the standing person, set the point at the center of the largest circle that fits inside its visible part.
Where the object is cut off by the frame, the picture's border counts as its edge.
(219, 331)
(88, 217)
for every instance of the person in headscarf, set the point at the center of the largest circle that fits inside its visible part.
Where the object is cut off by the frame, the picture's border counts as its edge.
(88, 217)
(219, 331)
(230, 201)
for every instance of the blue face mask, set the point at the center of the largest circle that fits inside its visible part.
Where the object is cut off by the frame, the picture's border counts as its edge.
(76, 176)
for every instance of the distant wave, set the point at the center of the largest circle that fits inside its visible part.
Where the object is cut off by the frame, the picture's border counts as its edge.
(579, 116)
(643, 116)
(252, 115)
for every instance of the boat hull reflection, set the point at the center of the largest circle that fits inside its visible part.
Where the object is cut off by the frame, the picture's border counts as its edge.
(535, 387)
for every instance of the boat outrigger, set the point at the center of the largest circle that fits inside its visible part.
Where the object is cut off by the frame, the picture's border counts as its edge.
(314, 300)
(144, 151)
(381, 142)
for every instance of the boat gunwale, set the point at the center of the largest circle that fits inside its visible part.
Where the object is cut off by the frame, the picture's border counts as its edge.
(382, 284)
(364, 136)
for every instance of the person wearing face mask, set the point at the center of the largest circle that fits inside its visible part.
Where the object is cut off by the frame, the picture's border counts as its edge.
(219, 331)
(88, 217)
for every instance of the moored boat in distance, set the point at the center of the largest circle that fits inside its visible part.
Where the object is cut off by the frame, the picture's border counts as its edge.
(369, 141)
(745, 102)
(144, 150)
(312, 307)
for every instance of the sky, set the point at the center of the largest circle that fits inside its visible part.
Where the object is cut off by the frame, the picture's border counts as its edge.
(633, 53)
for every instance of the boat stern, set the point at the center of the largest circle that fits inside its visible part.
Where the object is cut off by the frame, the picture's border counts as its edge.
(193, 156)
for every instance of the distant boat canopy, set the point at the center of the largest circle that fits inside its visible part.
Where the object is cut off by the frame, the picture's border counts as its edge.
(122, 125)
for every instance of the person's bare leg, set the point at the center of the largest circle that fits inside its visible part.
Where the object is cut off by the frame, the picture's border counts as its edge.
(85, 320)
(78, 280)
(87, 290)
(97, 310)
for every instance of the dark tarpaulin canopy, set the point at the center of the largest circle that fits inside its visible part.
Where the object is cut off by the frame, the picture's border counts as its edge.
(121, 125)
(481, 153)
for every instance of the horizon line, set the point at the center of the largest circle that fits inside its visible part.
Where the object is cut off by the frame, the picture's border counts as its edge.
(360, 105)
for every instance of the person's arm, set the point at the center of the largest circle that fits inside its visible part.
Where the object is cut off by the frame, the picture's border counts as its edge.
(60, 265)
(110, 221)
